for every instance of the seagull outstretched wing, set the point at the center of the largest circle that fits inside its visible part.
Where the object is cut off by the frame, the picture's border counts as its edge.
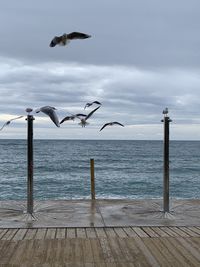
(8, 122)
(111, 124)
(50, 111)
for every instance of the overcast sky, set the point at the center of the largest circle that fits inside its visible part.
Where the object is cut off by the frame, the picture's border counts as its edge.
(143, 56)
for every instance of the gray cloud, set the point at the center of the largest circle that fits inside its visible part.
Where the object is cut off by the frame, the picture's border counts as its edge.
(142, 57)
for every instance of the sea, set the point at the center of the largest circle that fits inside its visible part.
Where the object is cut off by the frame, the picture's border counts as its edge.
(123, 169)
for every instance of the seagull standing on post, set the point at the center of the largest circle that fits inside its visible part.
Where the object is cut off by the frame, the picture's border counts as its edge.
(66, 38)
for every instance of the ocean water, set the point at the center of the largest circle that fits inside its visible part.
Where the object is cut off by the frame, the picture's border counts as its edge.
(123, 169)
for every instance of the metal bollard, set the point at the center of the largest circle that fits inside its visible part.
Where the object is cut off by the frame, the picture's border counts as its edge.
(30, 119)
(166, 122)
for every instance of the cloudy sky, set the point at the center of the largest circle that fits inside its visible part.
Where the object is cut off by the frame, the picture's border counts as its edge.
(143, 56)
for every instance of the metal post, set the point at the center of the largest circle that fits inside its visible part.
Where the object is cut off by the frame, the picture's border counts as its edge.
(166, 121)
(92, 178)
(30, 119)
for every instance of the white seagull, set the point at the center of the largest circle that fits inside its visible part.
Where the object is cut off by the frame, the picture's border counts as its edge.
(84, 117)
(111, 124)
(8, 122)
(90, 104)
(50, 111)
(66, 38)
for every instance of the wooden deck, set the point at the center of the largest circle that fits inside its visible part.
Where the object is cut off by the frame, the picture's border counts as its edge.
(100, 246)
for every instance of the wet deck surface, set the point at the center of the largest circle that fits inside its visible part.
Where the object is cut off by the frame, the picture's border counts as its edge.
(102, 246)
(99, 213)
(103, 233)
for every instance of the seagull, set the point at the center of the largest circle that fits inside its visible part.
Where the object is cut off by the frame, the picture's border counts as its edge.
(165, 111)
(83, 119)
(29, 110)
(8, 122)
(111, 124)
(68, 118)
(50, 111)
(90, 104)
(72, 117)
(66, 38)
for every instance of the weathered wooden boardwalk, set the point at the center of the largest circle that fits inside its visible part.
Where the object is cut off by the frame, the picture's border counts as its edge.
(100, 246)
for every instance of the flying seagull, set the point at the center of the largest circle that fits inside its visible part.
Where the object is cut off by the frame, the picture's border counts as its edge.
(83, 119)
(8, 122)
(66, 38)
(90, 104)
(72, 117)
(111, 124)
(50, 111)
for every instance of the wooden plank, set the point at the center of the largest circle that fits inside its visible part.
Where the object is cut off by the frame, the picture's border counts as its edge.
(7, 252)
(9, 234)
(116, 250)
(97, 251)
(60, 233)
(3, 232)
(30, 234)
(110, 232)
(195, 229)
(71, 232)
(87, 251)
(41, 233)
(126, 251)
(149, 257)
(139, 255)
(90, 232)
(140, 232)
(160, 232)
(81, 232)
(100, 232)
(160, 258)
(179, 252)
(179, 231)
(51, 233)
(195, 242)
(106, 250)
(26, 254)
(189, 232)
(78, 253)
(17, 253)
(129, 231)
(67, 250)
(19, 234)
(169, 231)
(170, 260)
(189, 247)
(120, 232)
(150, 232)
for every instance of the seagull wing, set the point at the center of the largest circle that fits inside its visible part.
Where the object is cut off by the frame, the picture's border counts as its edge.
(106, 124)
(97, 102)
(50, 111)
(77, 35)
(6, 123)
(90, 114)
(56, 40)
(115, 122)
(65, 119)
(19, 117)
